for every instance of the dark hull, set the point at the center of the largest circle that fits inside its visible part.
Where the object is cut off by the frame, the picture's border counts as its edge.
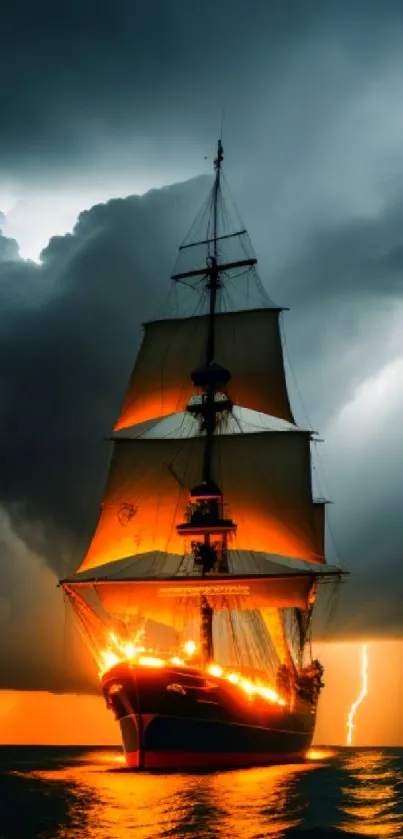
(172, 718)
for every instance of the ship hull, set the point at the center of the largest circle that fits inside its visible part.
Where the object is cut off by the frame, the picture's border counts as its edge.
(174, 719)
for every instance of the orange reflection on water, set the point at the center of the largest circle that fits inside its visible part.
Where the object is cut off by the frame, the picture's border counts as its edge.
(242, 791)
(105, 802)
(115, 803)
(320, 754)
(370, 802)
(356, 793)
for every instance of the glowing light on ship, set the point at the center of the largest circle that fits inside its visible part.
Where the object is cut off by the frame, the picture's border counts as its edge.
(215, 670)
(361, 697)
(151, 661)
(109, 659)
(132, 654)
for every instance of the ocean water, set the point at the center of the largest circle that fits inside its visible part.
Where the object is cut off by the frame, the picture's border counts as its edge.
(78, 793)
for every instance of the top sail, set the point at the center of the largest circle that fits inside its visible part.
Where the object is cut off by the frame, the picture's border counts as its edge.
(248, 343)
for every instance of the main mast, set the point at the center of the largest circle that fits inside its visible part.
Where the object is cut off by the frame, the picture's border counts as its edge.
(213, 284)
(206, 519)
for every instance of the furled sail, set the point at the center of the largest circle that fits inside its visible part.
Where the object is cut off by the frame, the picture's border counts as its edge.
(265, 478)
(248, 344)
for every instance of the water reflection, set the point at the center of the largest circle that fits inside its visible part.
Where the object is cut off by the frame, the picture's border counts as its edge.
(242, 803)
(346, 792)
(371, 798)
(270, 797)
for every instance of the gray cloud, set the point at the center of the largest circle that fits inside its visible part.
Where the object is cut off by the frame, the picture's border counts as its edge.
(69, 331)
(131, 83)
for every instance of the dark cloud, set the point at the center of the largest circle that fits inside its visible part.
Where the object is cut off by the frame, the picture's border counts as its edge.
(40, 646)
(150, 79)
(69, 333)
(345, 289)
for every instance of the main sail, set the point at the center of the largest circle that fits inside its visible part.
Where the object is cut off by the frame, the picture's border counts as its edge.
(248, 343)
(208, 533)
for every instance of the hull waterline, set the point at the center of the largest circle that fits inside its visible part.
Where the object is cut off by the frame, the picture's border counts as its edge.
(175, 719)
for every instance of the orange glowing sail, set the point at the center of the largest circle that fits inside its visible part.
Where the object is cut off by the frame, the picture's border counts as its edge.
(265, 478)
(210, 545)
(160, 383)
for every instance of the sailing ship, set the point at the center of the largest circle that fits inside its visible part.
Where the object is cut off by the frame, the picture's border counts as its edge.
(197, 591)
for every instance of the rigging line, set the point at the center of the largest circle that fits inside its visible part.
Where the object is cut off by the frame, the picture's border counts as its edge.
(260, 287)
(261, 296)
(199, 218)
(232, 201)
(328, 605)
(174, 294)
(225, 297)
(163, 305)
(189, 285)
(247, 250)
(334, 599)
(231, 277)
(263, 640)
(256, 641)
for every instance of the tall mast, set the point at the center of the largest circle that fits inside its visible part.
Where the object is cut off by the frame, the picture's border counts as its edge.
(213, 284)
(206, 520)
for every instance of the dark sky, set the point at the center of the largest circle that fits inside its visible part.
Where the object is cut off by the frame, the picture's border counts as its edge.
(100, 99)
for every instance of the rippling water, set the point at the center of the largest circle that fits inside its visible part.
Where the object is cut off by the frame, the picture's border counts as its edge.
(55, 793)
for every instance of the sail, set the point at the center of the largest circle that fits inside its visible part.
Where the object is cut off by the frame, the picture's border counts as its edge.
(248, 344)
(161, 600)
(164, 588)
(265, 478)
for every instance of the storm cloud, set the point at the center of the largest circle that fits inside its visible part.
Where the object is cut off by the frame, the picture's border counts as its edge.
(70, 329)
(108, 99)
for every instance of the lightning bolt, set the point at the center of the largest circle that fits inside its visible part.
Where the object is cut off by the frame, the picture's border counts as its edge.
(363, 693)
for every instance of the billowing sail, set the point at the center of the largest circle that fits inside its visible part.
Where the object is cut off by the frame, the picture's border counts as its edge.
(248, 344)
(265, 479)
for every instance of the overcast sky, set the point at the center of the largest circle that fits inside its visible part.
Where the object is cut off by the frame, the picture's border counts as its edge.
(106, 100)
